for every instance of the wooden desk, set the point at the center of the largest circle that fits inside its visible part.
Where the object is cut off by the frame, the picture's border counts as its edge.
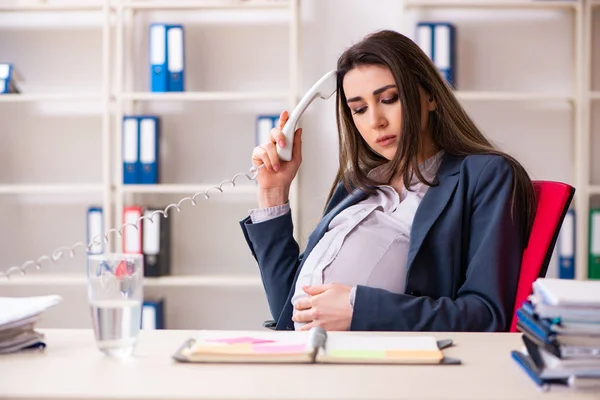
(72, 368)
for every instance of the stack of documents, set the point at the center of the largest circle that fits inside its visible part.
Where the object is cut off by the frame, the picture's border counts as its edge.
(561, 332)
(18, 316)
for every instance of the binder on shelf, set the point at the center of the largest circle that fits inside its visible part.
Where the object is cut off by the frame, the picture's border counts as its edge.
(175, 58)
(8, 79)
(153, 314)
(158, 58)
(130, 150)
(149, 149)
(566, 247)
(95, 227)
(132, 237)
(264, 124)
(156, 244)
(438, 41)
(594, 245)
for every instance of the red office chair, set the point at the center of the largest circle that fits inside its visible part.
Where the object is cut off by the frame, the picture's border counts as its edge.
(553, 201)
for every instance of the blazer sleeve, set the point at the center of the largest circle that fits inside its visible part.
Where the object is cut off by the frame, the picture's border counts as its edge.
(485, 300)
(273, 246)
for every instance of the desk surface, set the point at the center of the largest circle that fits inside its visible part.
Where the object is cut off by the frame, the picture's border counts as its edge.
(71, 367)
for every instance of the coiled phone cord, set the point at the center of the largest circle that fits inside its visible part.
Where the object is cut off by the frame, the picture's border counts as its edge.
(58, 253)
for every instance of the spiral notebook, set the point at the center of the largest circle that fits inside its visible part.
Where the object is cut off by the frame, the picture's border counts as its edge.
(315, 346)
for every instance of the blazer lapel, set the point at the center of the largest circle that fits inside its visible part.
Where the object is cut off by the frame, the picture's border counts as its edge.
(433, 203)
(353, 198)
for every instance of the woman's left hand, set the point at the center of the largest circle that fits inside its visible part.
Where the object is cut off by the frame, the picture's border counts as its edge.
(327, 306)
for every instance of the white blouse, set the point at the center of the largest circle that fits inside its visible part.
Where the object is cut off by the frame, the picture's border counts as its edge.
(366, 243)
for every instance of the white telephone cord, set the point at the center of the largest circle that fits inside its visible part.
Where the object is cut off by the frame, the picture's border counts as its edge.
(58, 253)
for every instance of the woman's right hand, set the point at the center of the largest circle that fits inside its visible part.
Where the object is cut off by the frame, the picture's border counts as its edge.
(275, 178)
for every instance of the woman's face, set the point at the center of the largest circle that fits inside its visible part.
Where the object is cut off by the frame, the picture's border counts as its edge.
(372, 96)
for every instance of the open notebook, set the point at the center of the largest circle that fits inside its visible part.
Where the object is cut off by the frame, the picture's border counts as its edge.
(314, 346)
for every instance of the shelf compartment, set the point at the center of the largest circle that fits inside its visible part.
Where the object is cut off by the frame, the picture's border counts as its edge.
(35, 97)
(498, 4)
(204, 96)
(207, 5)
(50, 188)
(165, 281)
(511, 96)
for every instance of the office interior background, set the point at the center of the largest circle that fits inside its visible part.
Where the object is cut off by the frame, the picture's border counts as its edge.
(524, 71)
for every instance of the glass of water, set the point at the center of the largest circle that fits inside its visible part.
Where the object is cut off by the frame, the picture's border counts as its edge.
(115, 292)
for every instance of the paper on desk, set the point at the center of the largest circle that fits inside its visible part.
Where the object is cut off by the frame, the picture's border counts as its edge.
(15, 311)
(20, 341)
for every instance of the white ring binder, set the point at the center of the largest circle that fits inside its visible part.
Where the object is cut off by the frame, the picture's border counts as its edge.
(59, 252)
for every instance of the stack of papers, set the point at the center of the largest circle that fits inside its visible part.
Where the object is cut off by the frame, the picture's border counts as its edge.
(561, 330)
(18, 316)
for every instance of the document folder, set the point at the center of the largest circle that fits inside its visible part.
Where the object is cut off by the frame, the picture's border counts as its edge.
(132, 237)
(149, 150)
(153, 315)
(158, 58)
(175, 58)
(95, 230)
(566, 247)
(130, 150)
(8, 79)
(156, 244)
(264, 124)
(438, 42)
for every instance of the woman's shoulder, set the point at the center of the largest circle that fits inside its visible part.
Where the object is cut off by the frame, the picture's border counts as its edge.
(477, 164)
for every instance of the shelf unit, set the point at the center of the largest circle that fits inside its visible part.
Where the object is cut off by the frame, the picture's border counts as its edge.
(125, 98)
(64, 7)
(494, 4)
(33, 97)
(117, 98)
(190, 189)
(103, 8)
(511, 96)
(203, 96)
(251, 281)
(578, 100)
(206, 5)
(51, 189)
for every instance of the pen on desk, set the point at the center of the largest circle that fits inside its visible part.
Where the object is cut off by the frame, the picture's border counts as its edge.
(317, 337)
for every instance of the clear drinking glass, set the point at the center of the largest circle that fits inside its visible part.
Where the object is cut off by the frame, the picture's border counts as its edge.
(115, 292)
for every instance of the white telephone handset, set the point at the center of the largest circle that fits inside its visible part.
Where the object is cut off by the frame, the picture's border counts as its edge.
(324, 89)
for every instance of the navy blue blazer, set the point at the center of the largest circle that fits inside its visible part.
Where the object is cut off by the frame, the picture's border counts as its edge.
(463, 261)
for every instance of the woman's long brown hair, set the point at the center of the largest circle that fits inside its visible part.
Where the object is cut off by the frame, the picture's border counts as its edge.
(452, 130)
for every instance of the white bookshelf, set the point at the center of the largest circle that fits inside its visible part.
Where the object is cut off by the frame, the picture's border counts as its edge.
(494, 4)
(587, 143)
(206, 5)
(577, 100)
(204, 96)
(190, 190)
(39, 97)
(51, 188)
(512, 96)
(119, 92)
(59, 7)
(251, 281)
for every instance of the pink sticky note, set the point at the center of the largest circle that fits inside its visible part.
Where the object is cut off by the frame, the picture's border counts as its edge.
(279, 349)
(242, 339)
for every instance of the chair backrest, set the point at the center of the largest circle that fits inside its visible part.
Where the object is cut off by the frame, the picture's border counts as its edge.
(553, 201)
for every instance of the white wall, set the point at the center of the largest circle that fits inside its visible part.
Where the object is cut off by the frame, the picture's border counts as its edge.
(203, 142)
